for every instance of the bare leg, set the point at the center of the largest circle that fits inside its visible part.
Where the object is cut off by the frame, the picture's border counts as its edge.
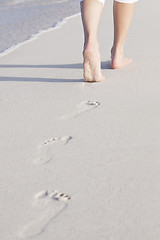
(122, 13)
(90, 12)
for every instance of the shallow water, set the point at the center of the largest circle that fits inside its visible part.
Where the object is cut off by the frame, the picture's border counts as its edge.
(20, 19)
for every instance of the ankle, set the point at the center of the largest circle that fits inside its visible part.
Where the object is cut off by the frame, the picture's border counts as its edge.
(117, 50)
(91, 45)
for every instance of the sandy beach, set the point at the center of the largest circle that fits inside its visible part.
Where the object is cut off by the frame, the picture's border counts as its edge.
(79, 160)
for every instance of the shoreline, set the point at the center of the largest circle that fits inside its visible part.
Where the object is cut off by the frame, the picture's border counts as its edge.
(58, 25)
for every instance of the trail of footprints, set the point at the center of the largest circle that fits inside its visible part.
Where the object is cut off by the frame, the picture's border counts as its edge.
(50, 204)
(48, 150)
(81, 108)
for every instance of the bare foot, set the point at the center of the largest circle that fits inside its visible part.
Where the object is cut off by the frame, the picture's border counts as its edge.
(92, 65)
(118, 60)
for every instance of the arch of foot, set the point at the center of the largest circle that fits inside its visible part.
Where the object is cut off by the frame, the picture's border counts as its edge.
(121, 1)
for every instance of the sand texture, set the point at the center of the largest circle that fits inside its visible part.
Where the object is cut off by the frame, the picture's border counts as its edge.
(80, 161)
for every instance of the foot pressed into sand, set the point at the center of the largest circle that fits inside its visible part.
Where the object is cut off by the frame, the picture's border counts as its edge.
(92, 64)
(118, 60)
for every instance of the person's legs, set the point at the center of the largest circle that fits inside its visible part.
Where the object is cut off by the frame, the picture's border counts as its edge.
(90, 12)
(122, 13)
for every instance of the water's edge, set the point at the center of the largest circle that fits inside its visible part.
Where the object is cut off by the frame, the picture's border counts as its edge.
(35, 36)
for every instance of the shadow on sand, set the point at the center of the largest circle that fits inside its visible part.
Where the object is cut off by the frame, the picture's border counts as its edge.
(104, 65)
(25, 79)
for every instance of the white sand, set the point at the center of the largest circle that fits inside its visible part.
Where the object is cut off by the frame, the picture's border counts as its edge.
(105, 157)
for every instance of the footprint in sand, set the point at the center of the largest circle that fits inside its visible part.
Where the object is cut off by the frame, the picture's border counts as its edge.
(49, 205)
(48, 150)
(81, 108)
